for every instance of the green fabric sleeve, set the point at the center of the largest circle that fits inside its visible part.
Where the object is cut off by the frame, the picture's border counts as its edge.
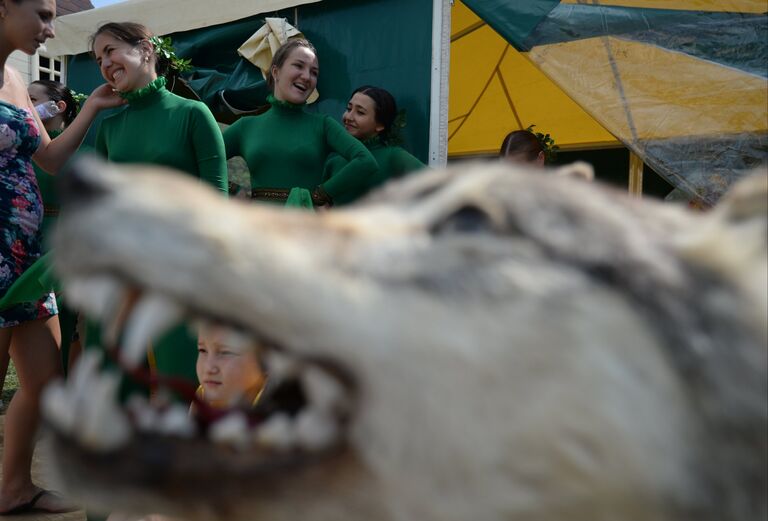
(100, 146)
(209, 150)
(333, 164)
(232, 139)
(360, 163)
(404, 163)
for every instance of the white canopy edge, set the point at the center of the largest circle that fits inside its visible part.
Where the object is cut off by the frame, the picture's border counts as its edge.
(160, 16)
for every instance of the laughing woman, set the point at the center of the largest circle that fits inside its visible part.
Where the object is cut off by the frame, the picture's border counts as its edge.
(28, 331)
(370, 117)
(156, 127)
(286, 147)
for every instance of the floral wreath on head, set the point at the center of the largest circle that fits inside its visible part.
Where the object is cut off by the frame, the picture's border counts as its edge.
(164, 48)
(79, 98)
(548, 146)
(395, 135)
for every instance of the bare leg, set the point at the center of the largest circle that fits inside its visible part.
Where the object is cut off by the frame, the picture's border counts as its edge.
(5, 358)
(34, 348)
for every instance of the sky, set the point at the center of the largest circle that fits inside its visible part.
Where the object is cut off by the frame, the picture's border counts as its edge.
(100, 3)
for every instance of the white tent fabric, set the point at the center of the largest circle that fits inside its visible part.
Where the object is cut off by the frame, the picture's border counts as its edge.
(161, 16)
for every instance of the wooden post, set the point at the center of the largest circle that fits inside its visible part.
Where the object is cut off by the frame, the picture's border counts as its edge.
(635, 175)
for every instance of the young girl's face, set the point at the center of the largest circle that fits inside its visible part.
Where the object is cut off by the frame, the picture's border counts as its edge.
(125, 67)
(360, 117)
(228, 371)
(296, 78)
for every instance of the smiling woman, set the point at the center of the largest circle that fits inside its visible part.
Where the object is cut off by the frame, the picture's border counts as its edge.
(160, 128)
(371, 117)
(286, 147)
(29, 331)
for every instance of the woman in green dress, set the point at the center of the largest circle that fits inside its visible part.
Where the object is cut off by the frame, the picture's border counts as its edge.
(156, 127)
(370, 117)
(57, 108)
(286, 147)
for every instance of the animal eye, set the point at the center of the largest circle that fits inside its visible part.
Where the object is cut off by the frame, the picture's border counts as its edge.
(468, 219)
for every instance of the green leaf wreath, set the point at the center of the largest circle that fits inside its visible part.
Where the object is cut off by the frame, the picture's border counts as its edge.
(164, 48)
(547, 144)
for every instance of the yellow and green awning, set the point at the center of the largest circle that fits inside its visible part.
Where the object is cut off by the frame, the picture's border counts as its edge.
(682, 83)
(494, 90)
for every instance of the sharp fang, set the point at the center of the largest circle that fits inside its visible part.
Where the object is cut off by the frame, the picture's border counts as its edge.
(315, 430)
(232, 429)
(145, 416)
(280, 367)
(176, 421)
(58, 407)
(150, 317)
(103, 426)
(323, 392)
(277, 432)
(96, 296)
(84, 373)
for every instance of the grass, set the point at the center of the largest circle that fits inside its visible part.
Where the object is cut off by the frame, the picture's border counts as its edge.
(11, 384)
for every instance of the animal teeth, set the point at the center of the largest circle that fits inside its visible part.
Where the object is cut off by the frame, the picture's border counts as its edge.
(145, 416)
(102, 425)
(176, 421)
(151, 316)
(83, 373)
(57, 407)
(277, 432)
(96, 296)
(279, 366)
(322, 391)
(232, 429)
(315, 430)
(86, 407)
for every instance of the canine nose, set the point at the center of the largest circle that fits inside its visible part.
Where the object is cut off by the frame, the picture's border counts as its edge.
(81, 180)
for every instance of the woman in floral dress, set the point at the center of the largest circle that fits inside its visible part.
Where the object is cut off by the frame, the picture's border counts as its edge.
(30, 332)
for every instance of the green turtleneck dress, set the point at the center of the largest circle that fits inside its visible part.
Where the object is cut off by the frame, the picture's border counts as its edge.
(67, 316)
(393, 162)
(286, 147)
(159, 127)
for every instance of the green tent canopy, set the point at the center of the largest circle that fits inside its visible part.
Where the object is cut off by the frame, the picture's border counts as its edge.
(683, 87)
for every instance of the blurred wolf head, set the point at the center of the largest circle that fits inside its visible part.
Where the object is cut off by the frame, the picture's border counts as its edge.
(481, 342)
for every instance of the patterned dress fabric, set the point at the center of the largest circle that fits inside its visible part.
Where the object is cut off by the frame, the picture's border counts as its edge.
(21, 211)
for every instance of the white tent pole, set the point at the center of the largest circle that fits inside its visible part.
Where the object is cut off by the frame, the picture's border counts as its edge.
(438, 104)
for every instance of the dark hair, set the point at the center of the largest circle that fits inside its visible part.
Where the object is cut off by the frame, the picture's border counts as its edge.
(521, 142)
(59, 92)
(385, 107)
(282, 54)
(132, 33)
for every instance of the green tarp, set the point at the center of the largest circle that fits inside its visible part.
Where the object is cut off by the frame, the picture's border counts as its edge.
(684, 87)
(387, 44)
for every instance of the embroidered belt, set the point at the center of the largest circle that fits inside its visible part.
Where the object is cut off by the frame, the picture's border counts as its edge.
(50, 211)
(270, 194)
(280, 195)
